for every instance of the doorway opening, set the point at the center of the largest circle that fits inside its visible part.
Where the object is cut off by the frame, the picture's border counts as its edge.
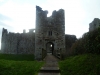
(50, 48)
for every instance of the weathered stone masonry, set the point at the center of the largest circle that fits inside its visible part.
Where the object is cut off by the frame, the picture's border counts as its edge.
(49, 30)
(15, 43)
(94, 24)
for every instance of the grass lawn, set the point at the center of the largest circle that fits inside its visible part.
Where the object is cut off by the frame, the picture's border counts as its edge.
(87, 64)
(18, 65)
(17, 57)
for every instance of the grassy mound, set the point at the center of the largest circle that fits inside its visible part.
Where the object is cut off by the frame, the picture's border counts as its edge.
(87, 64)
(18, 65)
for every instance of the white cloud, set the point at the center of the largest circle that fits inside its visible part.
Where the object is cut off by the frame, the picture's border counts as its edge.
(1, 0)
(23, 15)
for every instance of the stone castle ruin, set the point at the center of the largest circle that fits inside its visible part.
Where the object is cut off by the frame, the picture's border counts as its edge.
(49, 36)
(94, 24)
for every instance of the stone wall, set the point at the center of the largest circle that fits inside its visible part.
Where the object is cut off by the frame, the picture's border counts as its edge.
(69, 40)
(15, 43)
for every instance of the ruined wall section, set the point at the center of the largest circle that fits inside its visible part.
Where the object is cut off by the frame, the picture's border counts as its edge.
(4, 40)
(58, 20)
(26, 43)
(15, 43)
(11, 43)
(94, 24)
(69, 40)
(41, 17)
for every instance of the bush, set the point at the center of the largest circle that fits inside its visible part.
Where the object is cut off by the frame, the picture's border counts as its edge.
(89, 43)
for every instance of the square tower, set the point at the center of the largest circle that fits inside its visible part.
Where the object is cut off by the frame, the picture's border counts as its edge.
(49, 33)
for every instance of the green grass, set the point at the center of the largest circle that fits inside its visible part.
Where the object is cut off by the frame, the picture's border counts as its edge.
(87, 64)
(17, 57)
(19, 65)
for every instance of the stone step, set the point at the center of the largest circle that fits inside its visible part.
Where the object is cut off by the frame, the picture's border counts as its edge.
(50, 68)
(49, 73)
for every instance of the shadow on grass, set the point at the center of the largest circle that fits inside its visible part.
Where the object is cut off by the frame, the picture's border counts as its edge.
(17, 57)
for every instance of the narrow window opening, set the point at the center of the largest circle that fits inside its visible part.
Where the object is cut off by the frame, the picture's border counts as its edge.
(50, 33)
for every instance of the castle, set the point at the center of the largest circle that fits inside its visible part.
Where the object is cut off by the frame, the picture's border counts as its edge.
(47, 37)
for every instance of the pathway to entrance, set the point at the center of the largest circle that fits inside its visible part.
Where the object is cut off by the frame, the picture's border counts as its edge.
(50, 67)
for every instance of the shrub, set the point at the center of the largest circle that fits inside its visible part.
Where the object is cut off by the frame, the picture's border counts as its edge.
(89, 43)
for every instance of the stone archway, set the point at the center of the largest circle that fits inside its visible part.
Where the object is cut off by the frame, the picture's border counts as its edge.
(50, 48)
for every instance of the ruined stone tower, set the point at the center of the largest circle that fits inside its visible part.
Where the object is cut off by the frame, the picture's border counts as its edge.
(49, 33)
(94, 24)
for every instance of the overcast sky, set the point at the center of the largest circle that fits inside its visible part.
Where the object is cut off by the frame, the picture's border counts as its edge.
(16, 15)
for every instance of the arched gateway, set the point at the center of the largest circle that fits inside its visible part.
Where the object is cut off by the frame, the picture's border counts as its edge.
(49, 33)
(50, 48)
